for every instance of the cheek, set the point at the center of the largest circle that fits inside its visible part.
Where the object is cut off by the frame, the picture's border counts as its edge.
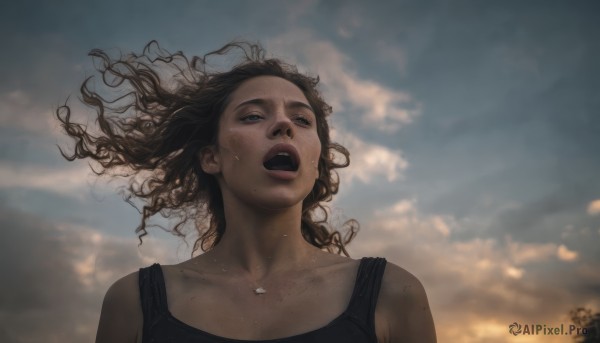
(315, 154)
(233, 143)
(317, 172)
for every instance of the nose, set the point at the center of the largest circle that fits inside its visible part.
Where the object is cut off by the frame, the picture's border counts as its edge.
(282, 127)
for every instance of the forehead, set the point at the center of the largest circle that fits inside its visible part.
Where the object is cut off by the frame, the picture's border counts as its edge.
(268, 88)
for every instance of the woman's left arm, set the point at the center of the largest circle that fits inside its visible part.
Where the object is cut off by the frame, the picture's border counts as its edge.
(406, 307)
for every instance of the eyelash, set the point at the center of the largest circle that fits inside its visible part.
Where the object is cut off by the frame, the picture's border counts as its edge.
(245, 118)
(305, 121)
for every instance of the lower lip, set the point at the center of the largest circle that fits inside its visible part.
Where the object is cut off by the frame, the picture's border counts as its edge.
(282, 174)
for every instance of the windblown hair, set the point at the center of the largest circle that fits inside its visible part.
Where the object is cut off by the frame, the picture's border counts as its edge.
(166, 108)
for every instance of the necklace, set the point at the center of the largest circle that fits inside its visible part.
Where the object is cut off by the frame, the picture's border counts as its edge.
(257, 291)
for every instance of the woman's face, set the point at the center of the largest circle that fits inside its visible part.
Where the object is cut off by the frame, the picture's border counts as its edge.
(268, 148)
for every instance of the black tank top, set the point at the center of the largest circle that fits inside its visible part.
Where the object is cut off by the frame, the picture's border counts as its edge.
(355, 325)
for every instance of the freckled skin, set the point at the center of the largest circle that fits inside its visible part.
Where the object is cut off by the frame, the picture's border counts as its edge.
(242, 145)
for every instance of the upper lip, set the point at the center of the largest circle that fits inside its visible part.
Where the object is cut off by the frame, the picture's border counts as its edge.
(283, 147)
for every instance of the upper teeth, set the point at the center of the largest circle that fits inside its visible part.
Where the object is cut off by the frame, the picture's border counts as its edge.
(283, 153)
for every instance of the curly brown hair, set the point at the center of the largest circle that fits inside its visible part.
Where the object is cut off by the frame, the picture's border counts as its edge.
(167, 109)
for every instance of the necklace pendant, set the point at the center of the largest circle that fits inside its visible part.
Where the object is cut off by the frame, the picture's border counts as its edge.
(260, 290)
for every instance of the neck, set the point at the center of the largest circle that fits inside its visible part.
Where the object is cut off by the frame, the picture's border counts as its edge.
(261, 243)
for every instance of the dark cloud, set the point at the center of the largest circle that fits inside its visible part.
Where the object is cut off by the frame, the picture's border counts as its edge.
(55, 278)
(91, 206)
(509, 99)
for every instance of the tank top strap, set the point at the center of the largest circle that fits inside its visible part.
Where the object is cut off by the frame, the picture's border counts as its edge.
(366, 290)
(153, 294)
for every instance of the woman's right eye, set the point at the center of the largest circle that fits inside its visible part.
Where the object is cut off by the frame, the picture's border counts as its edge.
(251, 117)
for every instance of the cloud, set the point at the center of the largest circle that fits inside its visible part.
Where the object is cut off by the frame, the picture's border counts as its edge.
(392, 54)
(26, 112)
(594, 208)
(18, 110)
(514, 272)
(565, 254)
(57, 274)
(348, 22)
(299, 9)
(369, 161)
(380, 107)
(478, 283)
(65, 181)
(525, 253)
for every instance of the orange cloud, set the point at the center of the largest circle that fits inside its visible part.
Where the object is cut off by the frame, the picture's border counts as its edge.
(594, 208)
(565, 254)
(476, 286)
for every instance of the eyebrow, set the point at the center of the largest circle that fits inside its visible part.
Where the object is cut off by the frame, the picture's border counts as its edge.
(264, 102)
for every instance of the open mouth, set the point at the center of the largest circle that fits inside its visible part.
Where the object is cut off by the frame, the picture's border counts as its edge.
(281, 161)
(282, 157)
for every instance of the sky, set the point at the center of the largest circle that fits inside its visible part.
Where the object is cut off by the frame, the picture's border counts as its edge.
(473, 128)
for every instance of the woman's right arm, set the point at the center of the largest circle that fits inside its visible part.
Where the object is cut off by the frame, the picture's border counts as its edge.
(121, 317)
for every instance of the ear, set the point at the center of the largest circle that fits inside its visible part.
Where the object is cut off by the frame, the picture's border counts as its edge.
(209, 160)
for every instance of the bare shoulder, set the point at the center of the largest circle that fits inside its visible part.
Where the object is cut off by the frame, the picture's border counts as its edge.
(401, 285)
(121, 316)
(405, 306)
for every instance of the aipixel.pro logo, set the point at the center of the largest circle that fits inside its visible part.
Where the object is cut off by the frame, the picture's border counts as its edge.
(516, 329)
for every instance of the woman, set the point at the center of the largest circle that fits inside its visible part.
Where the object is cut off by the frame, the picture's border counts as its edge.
(246, 154)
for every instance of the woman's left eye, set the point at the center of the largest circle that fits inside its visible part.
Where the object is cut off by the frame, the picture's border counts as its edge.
(305, 121)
